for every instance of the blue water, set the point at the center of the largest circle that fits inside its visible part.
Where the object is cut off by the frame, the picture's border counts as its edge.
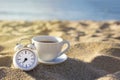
(60, 9)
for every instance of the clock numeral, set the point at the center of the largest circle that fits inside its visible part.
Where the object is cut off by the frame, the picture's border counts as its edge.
(32, 58)
(26, 65)
(19, 55)
(18, 59)
(31, 55)
(25, 52)
(28, 52)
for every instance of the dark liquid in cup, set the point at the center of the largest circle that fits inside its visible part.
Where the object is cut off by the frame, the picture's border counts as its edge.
(48, 41)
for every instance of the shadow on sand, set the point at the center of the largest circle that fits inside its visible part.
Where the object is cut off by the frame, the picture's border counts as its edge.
(69, 70)
(107, 63)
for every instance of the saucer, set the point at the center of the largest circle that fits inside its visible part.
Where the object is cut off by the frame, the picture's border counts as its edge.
(58, 60)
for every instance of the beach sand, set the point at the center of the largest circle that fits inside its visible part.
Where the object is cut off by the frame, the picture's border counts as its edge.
(94, 52)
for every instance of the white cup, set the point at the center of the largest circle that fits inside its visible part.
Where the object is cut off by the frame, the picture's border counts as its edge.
(49, 47)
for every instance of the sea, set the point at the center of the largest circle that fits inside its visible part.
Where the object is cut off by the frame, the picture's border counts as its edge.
(60, 10)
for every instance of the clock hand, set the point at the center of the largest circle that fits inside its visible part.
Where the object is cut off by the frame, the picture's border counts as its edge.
(25, 52)
(24, 60)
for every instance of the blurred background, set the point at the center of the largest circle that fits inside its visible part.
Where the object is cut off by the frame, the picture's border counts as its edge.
(60, 9)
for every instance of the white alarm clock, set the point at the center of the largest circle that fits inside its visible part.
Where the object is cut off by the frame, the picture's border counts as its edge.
(25, 57)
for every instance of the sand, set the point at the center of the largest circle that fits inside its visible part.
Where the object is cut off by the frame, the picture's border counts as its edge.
(94, 52)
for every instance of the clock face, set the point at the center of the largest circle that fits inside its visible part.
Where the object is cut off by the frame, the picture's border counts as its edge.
(26, 59)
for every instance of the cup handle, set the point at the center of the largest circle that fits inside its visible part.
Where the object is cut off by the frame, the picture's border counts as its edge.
(68, 46)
